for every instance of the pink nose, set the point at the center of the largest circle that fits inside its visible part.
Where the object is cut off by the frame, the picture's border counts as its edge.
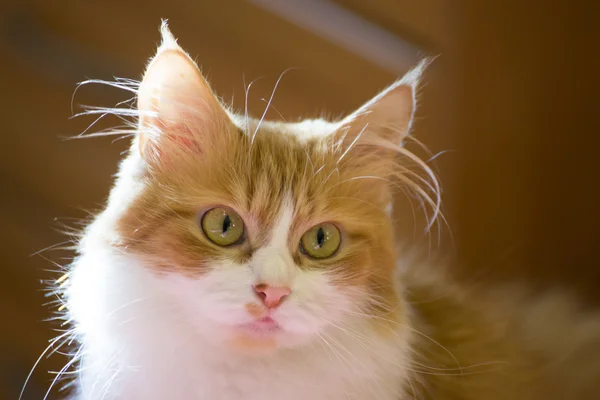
(271, 296)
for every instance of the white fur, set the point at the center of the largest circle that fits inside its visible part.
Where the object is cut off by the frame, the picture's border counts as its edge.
(149, 336)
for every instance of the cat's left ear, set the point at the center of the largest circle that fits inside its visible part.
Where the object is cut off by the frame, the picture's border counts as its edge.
(177, 109)
(387, 118)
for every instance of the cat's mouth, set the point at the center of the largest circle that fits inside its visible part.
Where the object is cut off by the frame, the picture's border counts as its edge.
(258, 336)
(262, 327)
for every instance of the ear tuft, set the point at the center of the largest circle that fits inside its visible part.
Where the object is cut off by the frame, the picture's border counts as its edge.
(168, 40)
(413, 77)
(177, 109)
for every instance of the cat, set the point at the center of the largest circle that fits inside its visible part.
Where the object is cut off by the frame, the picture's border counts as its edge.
(240, 258)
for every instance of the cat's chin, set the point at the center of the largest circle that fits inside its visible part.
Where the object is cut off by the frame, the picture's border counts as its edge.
(262, 337)
(252, 344)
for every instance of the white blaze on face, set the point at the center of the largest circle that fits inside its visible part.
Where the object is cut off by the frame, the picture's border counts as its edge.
(273, 264)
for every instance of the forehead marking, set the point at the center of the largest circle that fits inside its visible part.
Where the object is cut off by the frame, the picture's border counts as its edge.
(281, 228)
(273, 264)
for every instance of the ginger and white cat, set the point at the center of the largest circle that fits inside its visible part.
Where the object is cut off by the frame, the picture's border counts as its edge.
(247, 259)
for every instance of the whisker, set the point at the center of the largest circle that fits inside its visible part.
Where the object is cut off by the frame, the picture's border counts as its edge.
(358, 136)
(269, 103)
(39, 360)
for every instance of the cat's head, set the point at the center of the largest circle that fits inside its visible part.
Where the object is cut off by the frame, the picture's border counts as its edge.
(265, 234)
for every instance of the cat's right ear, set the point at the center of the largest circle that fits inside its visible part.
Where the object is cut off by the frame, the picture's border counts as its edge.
(177, 109)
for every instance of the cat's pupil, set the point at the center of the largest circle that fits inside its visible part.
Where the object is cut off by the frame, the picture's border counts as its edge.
(226, 224)
(320, 237)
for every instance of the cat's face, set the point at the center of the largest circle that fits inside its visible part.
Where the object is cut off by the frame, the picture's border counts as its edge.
(264, 235)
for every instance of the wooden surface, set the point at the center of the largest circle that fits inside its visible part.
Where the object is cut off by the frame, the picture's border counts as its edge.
(514, 97)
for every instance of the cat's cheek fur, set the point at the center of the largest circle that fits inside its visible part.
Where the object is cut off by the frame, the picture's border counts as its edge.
(121, 316)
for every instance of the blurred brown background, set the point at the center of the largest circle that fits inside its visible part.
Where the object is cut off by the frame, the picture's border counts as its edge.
(514, 96)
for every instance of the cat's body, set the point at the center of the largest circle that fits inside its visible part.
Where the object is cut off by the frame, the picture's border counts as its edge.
(502, 342)
(165, 306)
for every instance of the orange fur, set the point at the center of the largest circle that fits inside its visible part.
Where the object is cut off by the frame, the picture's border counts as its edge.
(255, 310)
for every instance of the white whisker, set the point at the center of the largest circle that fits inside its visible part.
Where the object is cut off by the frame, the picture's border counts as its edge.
(269, 103)
(39, 359)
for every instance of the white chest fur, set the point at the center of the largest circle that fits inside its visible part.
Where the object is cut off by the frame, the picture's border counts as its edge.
(136, 346)
(311, 377)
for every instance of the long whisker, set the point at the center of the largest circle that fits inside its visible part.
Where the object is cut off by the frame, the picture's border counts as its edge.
(358, 136)
(39, 359)
(61, 373)
(247, 93)
(269, 103)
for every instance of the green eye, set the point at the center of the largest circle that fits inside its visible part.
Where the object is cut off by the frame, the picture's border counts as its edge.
(321, 241)
(223, 226)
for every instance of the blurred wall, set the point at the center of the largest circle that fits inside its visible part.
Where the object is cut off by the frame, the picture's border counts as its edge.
(529, 134)
(513, 96)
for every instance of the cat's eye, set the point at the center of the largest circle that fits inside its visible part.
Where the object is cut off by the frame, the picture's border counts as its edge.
(321, 241)
(223, 226)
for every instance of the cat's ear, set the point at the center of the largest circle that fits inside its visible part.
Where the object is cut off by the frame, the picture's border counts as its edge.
(387, 118)
(177, 109)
